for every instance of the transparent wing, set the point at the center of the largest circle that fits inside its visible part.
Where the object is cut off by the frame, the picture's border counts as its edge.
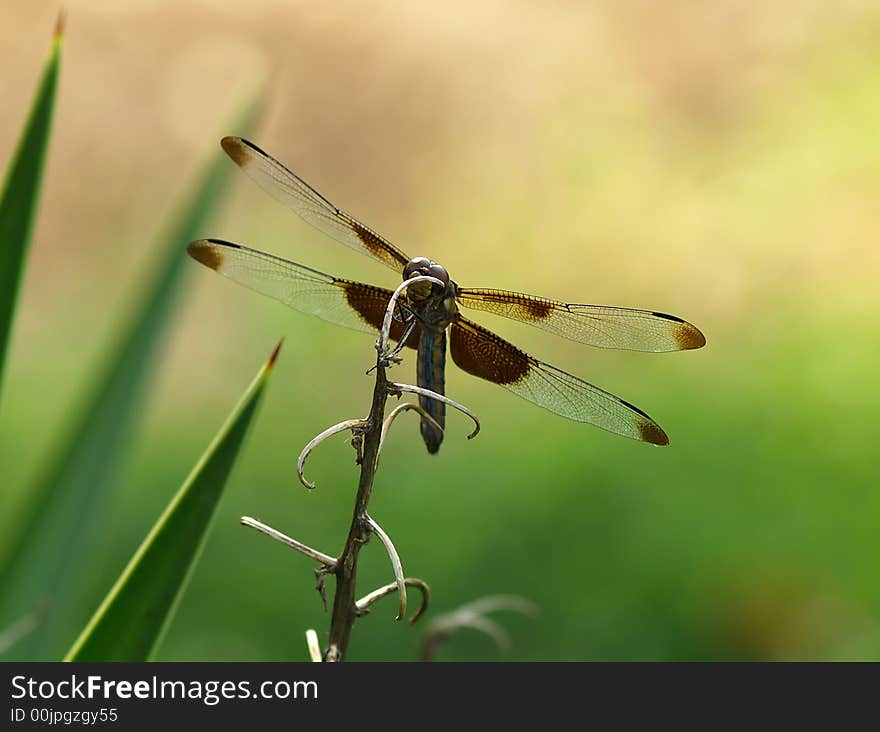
(343, 302)
(481, 353)
(596, 325)
(287, 187)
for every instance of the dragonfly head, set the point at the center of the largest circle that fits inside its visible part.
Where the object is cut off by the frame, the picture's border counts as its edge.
(424, 266)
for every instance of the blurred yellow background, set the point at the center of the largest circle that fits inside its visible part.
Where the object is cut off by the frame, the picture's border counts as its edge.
(716, 160)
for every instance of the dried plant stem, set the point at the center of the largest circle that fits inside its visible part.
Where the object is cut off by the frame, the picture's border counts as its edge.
(396, 564)
(324, 559)
(314, 645)
(366, 602)
(345, 609)
(329, 432)
(370, 433)
(475, 615)
(345, 602)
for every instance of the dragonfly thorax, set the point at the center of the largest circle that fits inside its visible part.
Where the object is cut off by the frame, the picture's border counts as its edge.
(433, 304)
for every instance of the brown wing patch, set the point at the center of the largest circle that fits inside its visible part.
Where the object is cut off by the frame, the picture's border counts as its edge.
(597, 325)
(481, 353)
(370, 303)
(511, 304)
(284, 185)
(374, 243)
(206, 253)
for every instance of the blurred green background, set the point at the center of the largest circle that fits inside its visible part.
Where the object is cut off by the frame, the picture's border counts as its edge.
(717, 160)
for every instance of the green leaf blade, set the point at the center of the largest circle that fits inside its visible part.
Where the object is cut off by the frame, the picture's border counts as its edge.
(130, 623)
(50, 562)
(21, 194)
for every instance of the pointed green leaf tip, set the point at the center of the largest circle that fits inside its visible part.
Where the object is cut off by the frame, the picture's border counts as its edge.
(54, 552)
(21, 192)
(60, 23)
(270, 364)
(133, 618)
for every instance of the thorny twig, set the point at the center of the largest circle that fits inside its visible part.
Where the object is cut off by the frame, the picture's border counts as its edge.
(324, 559)
(320, 574)
(368, 436)
(327, 563)
(397, 388)
(396, 565)
(392, 355)
(363, 605)
(349, 424)
(345, 608)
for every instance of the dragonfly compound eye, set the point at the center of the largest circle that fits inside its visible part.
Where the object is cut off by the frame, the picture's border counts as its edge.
(416, 266)
(435, 270)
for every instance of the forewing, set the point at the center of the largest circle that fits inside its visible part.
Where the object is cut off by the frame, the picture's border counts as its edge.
(343, 302)
(596, 325)
(481, 353)
(286, 186)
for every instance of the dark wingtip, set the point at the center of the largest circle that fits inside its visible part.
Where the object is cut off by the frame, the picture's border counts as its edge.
(650, 431)
(688, 337)
(204, 252)
(234, 147)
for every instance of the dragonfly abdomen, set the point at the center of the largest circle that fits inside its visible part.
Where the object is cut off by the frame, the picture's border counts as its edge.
(431, 374)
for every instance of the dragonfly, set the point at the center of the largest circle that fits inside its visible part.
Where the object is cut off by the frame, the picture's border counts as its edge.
(434, 312)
